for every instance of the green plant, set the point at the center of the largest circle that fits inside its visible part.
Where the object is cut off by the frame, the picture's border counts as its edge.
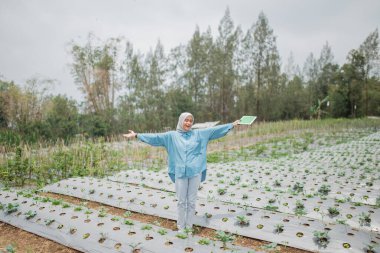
(242, 220)
(279, 228)
(146, 227)
(128, 222)
(10, 248)
(364, 219)
(11, 208)
(224, 237)
(204, 241)
(333, 211)
(162, 231)
(49, 221)
(181, 235)
(30, 214)
(298, 187)
(321, 238)
(324, 189)
(222, 191)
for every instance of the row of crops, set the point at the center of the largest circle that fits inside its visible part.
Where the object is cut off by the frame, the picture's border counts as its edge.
(325, 199)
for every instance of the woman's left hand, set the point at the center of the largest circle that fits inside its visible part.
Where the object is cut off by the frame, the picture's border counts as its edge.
(235, 123)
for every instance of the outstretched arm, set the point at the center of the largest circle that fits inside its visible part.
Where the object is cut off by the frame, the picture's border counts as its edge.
(131, 134)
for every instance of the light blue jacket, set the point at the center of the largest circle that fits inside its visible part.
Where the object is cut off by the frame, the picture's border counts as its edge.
(186, 150)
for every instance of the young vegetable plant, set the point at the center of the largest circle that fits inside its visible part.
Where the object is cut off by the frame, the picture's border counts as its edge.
(279, 228)
(333, 211)
(324, 189)
(242, 220)
(11, 208)
(224, 238)
(321, 238)
(30, 214)
(365, 219)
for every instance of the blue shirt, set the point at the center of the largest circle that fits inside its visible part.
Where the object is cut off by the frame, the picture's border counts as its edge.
(186, 150)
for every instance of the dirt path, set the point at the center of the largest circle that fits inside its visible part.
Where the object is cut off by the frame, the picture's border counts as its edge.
(23, 241)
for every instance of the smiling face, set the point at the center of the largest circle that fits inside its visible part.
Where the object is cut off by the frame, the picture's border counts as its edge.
(187, 123)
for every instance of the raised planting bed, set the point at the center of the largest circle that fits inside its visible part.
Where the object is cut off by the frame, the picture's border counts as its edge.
(88, 230)
(242, 220)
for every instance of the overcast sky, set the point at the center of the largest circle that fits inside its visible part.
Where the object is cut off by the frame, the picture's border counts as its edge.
(35, 33)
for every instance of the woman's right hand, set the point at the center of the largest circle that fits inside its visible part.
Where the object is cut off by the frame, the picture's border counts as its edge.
(131, 134)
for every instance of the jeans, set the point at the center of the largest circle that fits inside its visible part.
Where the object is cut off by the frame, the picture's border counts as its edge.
(186, 191)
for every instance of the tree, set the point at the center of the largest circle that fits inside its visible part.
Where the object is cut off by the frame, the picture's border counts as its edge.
(263, 66)
(95, 69)
(62, 117)
(223, 65)
(369, 49)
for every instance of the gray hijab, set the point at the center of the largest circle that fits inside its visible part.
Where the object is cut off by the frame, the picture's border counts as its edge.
(181, 119)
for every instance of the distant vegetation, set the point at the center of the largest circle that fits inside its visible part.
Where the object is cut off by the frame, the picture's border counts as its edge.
(217, 77)
(38, 165)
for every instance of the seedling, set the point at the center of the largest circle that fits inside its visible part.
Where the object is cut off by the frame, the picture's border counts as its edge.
(365, 219)
(181, 235)
(279, 228)
(333, 211)
(49, 221)
(321, 238)
(224, 238)
(324, 189)
(298, 187)
(30, 214)
(11, 208)
(204, 241)
(146, 227)
(222, 191)
(162, 231)
(242, 220)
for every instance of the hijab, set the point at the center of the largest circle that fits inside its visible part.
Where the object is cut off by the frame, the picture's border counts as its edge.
(181, 120)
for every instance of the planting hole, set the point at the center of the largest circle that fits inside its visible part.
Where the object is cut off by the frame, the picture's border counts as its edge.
(100, 224)
(168, 243)
(117, 245)
(299, 234)
(116, 228)
(148, 237)
(131, 233)
(61, 214)
(346, 245)
(87, 221)
(188, 249)
(74, 217)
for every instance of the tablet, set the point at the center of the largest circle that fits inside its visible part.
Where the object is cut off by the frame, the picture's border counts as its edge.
(247, 120)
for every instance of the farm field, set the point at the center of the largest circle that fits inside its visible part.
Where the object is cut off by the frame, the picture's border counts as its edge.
(295, 190)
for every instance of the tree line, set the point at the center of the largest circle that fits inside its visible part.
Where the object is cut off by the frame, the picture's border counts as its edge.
(216, 77)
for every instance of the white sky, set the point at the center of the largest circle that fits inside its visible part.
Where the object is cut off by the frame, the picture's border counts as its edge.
(34, 34)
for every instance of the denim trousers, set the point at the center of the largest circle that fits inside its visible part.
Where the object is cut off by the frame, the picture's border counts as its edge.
(186, 191)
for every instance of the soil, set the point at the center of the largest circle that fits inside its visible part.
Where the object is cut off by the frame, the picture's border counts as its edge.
(23, 241)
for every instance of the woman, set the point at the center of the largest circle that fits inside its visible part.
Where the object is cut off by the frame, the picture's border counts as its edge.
(186, 159)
